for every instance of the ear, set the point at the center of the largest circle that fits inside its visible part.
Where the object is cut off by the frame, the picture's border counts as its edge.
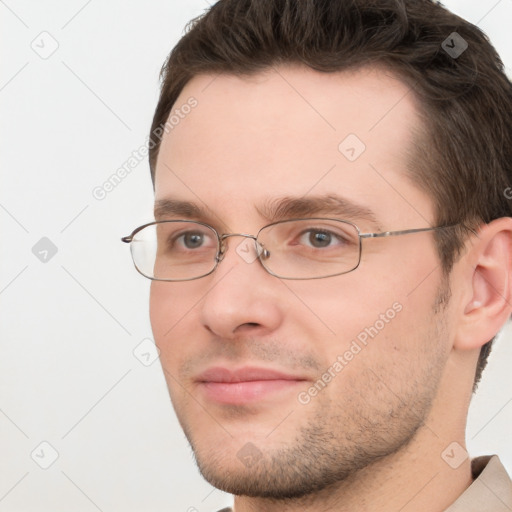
(488, 274)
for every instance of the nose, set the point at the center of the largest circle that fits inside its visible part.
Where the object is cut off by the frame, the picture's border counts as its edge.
(242, 297)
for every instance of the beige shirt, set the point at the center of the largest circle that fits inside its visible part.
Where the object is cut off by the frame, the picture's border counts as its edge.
(491, 490)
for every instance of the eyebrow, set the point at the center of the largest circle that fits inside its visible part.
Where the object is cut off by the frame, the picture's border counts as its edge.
(276, 209)
(331, 205)
(177, 208)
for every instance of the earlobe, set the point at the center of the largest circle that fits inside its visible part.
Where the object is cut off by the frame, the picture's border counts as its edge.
(489, 302)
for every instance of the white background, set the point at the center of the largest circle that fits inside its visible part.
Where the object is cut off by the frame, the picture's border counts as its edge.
(68, 375)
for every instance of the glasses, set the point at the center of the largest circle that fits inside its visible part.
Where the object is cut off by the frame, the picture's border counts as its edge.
(314, 248)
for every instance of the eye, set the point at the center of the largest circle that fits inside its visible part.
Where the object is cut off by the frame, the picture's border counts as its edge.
(192, 239)
(176, 239)
(320, 238)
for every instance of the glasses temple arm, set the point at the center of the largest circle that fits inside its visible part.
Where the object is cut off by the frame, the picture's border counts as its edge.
(407, 231)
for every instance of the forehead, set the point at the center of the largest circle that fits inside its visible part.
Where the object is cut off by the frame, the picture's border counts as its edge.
(292, 131)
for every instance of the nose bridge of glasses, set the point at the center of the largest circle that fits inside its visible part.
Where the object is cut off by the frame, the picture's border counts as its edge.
(223, 246)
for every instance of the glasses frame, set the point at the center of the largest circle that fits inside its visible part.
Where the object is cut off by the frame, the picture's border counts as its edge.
(222, 247)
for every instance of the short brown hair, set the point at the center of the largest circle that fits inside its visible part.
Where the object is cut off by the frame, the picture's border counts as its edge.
(463, 157)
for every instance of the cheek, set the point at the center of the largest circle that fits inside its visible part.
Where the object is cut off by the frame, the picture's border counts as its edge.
(359, 306)
(171, 312)
(160, 311)
(160, 305)
(171, 304)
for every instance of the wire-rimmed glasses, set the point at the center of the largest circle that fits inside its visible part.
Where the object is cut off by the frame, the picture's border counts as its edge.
(312, 248)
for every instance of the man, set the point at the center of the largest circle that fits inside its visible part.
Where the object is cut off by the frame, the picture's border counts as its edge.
(331, 257)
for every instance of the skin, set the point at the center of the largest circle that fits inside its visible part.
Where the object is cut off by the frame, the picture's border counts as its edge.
(373, 437)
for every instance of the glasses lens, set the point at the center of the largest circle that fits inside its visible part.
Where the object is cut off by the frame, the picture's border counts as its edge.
(175, 250)
(310, 248)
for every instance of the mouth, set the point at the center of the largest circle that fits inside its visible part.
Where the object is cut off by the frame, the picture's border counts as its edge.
(245, 385)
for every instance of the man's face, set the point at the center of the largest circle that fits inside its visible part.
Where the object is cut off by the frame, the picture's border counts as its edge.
(358, 356)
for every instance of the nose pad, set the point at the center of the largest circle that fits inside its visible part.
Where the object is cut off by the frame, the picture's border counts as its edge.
(263, 253)
(222, 251)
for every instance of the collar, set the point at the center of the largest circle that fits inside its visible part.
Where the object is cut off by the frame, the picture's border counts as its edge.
(491, 490)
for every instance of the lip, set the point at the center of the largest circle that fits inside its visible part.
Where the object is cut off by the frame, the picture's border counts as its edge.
(245, 374)
(243, 385)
